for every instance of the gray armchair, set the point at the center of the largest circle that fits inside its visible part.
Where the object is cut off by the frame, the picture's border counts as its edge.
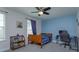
(65, 38)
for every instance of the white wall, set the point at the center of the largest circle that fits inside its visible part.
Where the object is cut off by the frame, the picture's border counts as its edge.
(11, 28)
(77, 19)
(38, 26)
(77, 26)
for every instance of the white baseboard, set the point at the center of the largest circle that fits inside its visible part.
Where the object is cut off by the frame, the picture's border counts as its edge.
(3, 50)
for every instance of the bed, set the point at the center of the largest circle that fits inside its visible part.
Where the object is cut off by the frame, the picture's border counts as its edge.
(40, 39)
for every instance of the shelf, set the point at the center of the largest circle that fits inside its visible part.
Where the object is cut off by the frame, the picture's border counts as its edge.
(17, 43)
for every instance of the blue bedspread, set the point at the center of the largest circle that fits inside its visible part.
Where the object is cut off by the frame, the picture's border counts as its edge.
(45, 39)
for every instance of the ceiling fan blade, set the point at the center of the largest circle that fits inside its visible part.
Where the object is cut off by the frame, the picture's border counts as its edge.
(46, 13)
(35, 12)
(38, 8)
(48, 8)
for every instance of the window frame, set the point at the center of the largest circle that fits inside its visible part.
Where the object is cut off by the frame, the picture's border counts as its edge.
(30, 28)
(3, 27)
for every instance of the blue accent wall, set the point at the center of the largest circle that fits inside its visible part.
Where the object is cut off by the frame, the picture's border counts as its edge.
(63, 23)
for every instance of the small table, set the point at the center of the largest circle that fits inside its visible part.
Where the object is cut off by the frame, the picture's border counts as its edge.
(74, 43)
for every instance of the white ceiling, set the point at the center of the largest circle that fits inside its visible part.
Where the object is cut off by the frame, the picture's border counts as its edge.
(54, 12)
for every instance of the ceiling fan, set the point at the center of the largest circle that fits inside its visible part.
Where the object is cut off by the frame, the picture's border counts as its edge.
(42, 10)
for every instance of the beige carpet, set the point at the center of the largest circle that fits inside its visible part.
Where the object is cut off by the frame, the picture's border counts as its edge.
(51, 47)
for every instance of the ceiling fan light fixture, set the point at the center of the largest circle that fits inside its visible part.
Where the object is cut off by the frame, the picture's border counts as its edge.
(40, 13)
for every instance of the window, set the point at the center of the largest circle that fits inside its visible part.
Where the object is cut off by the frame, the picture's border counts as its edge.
(2, 27)
(29, 27)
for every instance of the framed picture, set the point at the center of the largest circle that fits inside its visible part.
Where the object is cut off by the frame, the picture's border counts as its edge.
(19, 24)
